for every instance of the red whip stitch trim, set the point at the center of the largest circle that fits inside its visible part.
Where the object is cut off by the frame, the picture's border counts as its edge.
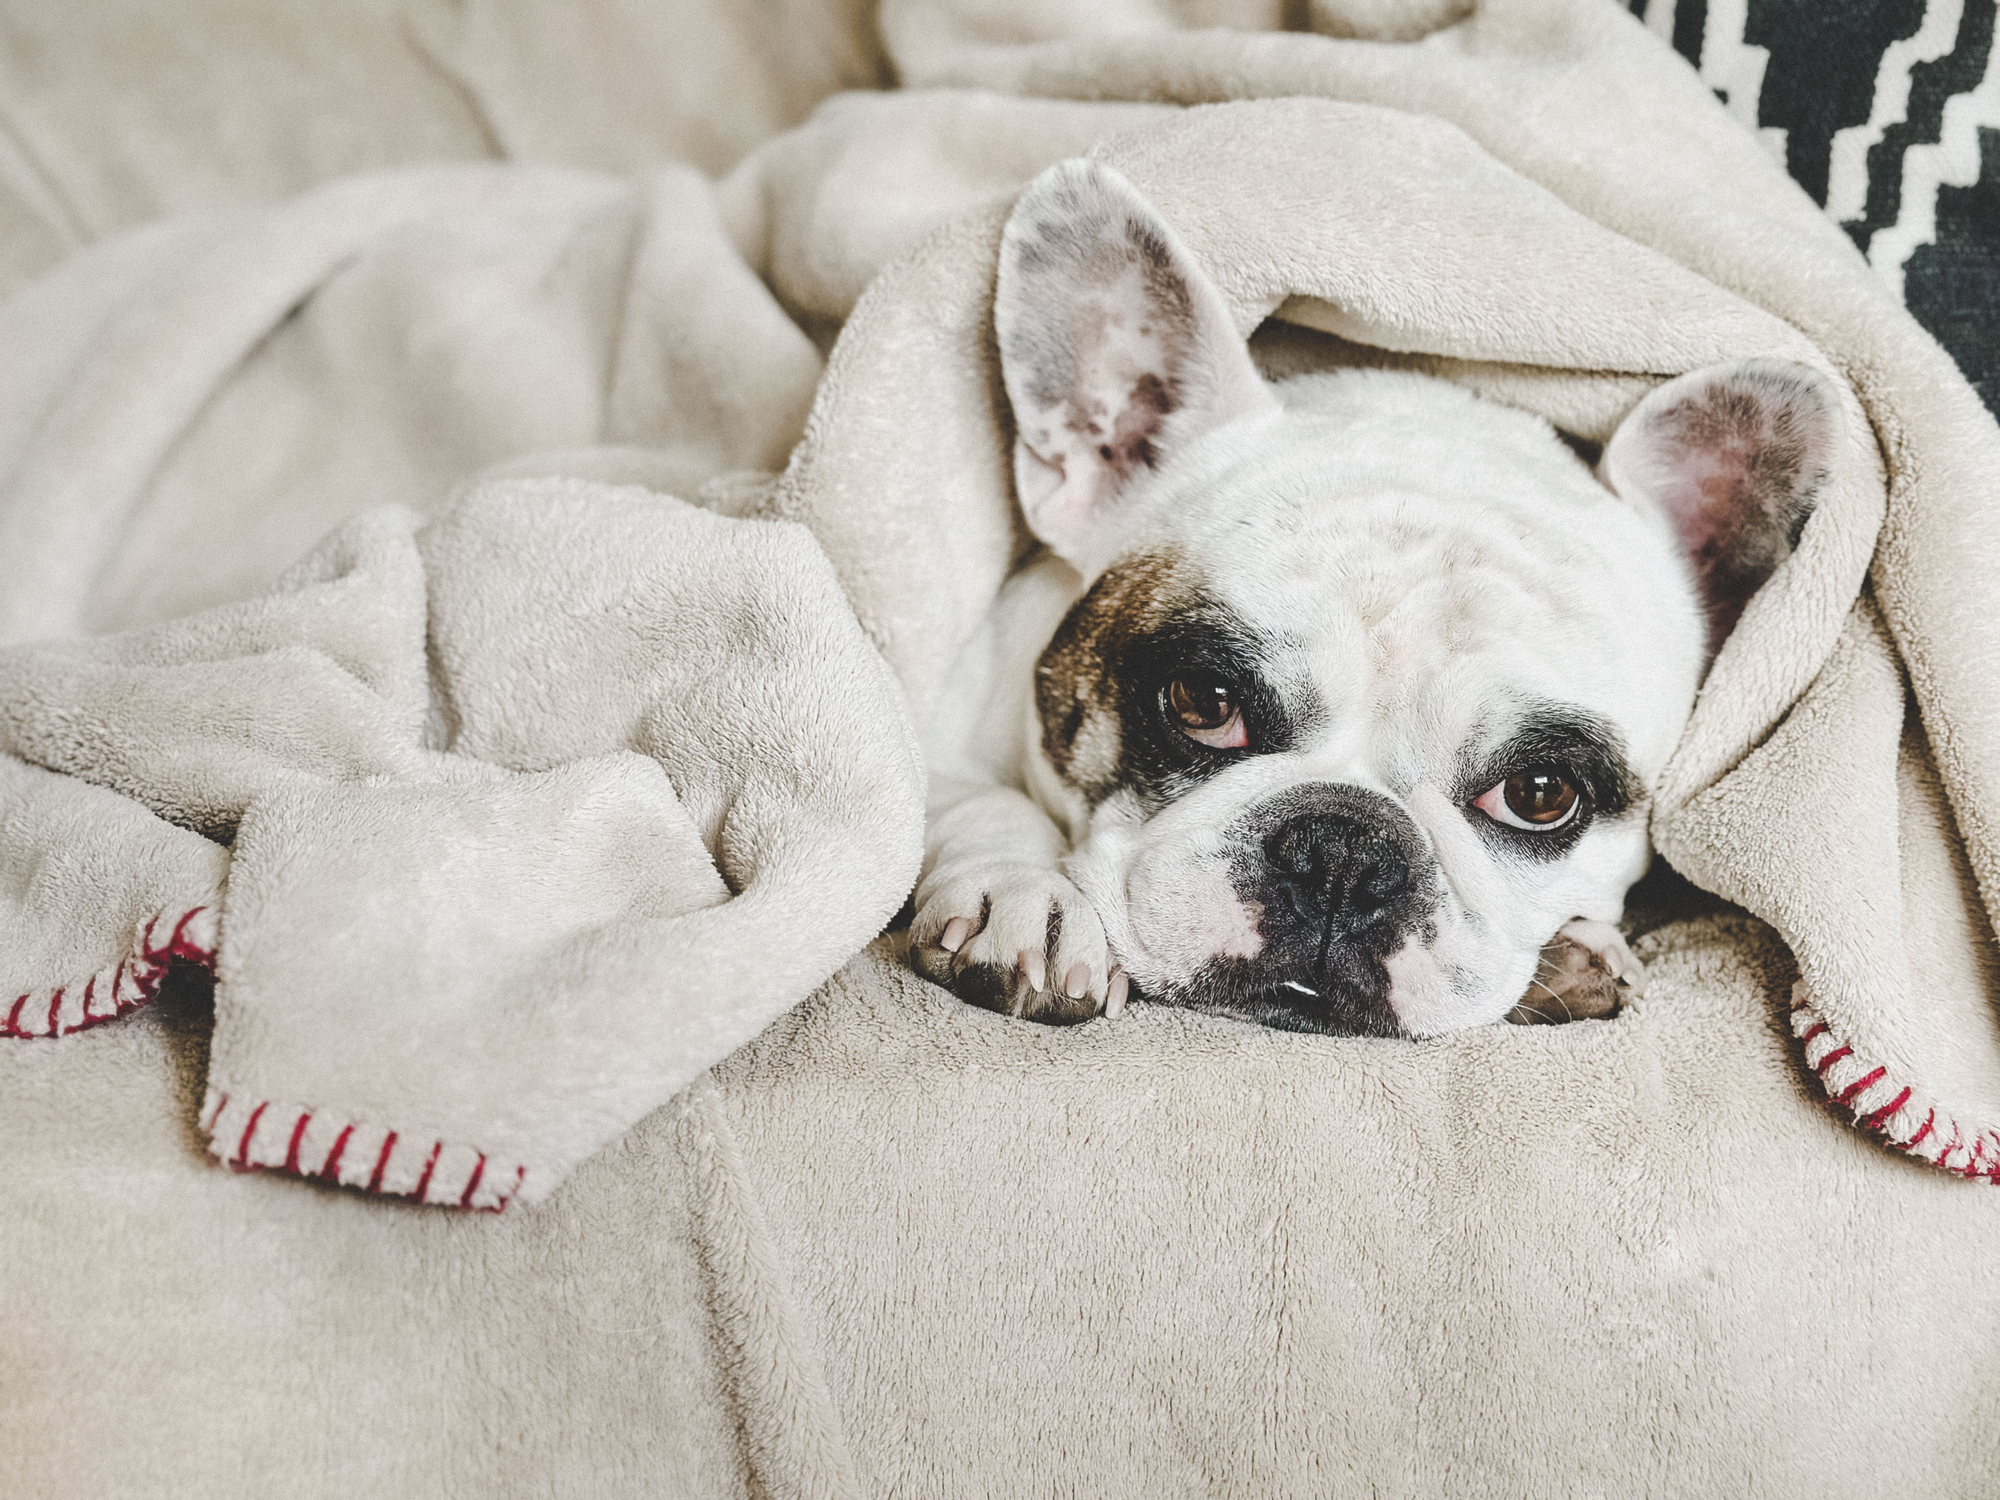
(1859, 1086)
(298, 1134)
(1975, 1149)
(331, 1169)
(424, 1182)
(239, 1149)
(1971, 1167)
(1930, 1124)
(1957, 1140)
(1981, 1163)
(1874, 1121)
(243, 1146)
(472, 1182)
(381, 1164)
(145, 966)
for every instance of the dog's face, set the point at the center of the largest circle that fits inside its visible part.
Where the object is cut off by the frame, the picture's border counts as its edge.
(1371, 679)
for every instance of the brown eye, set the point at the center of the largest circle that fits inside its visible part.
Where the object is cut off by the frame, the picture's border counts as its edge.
(1540, 798)
(1207, 711)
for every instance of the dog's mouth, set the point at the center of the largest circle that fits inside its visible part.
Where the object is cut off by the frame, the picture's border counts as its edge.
(1282, 1004)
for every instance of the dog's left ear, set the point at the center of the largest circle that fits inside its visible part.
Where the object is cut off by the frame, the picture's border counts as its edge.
(1736, 455)
(1114, 346)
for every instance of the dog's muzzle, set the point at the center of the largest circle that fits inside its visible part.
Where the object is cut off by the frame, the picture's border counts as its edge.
(1343, 879)
(1337, 867)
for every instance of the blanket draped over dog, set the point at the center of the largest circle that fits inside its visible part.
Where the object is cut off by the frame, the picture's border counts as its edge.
(401, 619)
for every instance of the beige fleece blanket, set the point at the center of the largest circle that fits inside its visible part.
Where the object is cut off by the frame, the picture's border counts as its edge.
(897, 1245)
(533, 813)
(1799, 791)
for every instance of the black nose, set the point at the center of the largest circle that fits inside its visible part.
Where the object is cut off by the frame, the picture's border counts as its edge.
(1337, 868)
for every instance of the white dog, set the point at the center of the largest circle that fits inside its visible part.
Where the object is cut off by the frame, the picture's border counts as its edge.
(1328, 701)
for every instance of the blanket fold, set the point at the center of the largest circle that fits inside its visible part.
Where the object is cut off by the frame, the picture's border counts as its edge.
(1473, 241)
(533, 792)
(1467, 241)
(534, 814)
(101, 898)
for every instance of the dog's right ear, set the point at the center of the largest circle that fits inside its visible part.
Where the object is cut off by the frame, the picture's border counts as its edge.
(1736, 456)
(1114, 346)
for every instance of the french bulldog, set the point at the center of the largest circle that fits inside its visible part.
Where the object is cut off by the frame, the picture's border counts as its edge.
(1325, 703)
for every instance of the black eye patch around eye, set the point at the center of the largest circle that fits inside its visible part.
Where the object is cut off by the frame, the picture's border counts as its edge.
(1102, 681)
(1204, 642)
(1573, 743)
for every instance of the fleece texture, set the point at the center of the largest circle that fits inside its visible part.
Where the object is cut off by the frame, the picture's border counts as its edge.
(637, 757)
(1792, 792)
(534, 813)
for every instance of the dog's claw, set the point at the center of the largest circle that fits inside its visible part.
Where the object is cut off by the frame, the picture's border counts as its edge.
(1036, 950)
(1034, 968)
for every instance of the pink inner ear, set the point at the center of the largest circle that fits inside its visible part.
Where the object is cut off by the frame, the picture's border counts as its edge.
(1705, 494)
(1057, 503)
(1735, 456)
(1115, 348)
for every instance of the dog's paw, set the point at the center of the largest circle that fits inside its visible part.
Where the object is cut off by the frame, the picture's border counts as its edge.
(1017, 939)
(1584, 974)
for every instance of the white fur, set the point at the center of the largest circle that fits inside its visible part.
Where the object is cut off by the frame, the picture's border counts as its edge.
(1431, 564)
(1434, 557)
(1086, 302)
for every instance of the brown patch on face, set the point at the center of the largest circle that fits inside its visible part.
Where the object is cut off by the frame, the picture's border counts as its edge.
(1077, 682)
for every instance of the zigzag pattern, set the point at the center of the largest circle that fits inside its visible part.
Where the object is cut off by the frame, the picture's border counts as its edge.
(1888, 113)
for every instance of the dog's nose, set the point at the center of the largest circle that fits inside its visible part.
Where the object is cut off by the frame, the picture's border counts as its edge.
(1337, 868)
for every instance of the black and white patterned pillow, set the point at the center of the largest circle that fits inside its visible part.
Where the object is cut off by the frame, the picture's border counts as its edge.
(1888, 113)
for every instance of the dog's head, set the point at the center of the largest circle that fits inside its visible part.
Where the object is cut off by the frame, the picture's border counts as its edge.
(1370, 678)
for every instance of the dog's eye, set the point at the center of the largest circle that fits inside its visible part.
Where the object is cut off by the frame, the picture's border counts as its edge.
(1540, 798)
(1207, 711)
